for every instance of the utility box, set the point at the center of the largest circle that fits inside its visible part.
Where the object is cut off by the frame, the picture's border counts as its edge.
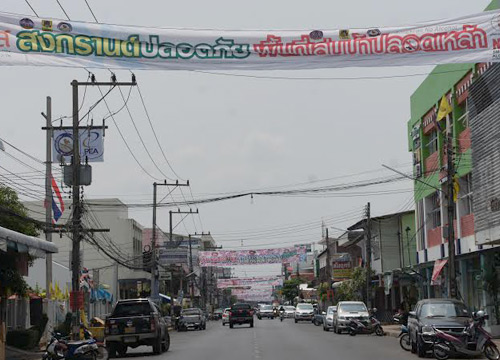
(85, 175)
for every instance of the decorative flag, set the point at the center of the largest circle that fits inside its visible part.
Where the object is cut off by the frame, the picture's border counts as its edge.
(57, 201)
(444, 108)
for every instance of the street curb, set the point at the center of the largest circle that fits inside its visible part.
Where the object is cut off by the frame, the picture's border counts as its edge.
(392, 333)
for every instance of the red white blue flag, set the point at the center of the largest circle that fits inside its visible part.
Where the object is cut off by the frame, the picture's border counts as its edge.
(57, 200)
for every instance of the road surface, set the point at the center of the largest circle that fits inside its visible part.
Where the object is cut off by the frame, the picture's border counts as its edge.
(274, 340)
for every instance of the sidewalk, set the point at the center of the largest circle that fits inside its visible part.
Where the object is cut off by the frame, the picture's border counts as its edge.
(12, 353)
(394, 330)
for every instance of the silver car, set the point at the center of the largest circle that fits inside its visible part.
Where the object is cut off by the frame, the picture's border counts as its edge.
(346, 310)
(328, 318)
(304, 311)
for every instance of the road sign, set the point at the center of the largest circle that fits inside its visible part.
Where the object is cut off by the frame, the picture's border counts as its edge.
(166, 275)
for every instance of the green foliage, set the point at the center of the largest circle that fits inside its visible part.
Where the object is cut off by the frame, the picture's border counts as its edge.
(491, 284)
(23, 339)
(9, 200)
(290, 289)
(354, 289)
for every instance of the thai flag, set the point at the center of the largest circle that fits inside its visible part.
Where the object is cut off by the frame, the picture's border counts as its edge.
(57, 200)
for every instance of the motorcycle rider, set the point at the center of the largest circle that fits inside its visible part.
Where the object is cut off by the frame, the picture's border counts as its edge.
(282, 312)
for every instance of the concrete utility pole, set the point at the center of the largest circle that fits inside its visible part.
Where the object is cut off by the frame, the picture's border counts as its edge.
(76, 206)
(452, 272)
(368, 256)
(155, 289)
(48, 193)
(191, 269)
(328, 262)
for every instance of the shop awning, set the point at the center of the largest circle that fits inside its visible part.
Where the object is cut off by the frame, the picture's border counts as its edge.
(438, 267)
(21, 243)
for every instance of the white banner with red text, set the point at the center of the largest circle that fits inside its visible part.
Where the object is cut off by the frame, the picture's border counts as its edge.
(224, 258)
(249, 282)
(28, 40)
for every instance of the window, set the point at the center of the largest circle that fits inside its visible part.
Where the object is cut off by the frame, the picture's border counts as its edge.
(465, 195)
(432, 143)
(434, 212)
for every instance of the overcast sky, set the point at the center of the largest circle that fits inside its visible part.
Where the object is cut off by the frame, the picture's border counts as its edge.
(227, 133)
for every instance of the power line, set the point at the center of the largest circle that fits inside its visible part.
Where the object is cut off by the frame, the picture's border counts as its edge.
(91, 11)
(31, 7)
(64, 11)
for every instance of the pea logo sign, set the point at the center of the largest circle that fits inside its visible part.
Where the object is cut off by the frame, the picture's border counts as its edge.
(91, 145)
(316, 35)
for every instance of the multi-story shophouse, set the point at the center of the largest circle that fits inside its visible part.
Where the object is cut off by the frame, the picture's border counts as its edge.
(427, 142)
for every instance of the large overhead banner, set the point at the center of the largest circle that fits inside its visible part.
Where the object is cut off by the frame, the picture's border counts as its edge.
(27, 40)
(251, 257)
(249, 282)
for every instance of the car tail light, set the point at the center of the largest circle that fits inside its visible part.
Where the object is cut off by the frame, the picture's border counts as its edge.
(153, 324)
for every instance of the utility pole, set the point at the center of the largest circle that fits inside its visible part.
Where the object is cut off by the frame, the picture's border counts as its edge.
(48, 193)
(452, 274)
(76, 206)
(368, 256)
(328, 262)
(155, 290)
(170, 213)
(191, 269)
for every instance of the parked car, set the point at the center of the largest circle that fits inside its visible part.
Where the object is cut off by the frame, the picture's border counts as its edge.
(289, 311)
(133, 323)
(328, 318)
(347, 310)
(447, 315)
(265, 311)
(192, 318)
(225, 316)
(240, 313)
(218, 314)
(304, 311)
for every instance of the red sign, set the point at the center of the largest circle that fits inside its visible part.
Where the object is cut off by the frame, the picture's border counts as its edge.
(76, 300)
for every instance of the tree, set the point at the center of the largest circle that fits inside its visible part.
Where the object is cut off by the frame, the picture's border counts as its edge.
(353, 289)
(12, 216)
(290, 288)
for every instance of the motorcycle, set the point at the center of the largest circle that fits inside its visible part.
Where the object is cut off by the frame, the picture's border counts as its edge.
(356, 326)
(282, 315)
(404, 336)
(474, 341)
(60, 348)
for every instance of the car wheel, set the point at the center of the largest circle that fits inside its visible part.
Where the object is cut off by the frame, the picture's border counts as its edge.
(223, 323)
(420, 348)
(231, 325)
(324, 328)
(111, 348)
(157, 346)
(166, 342)
(251, 324)
(122, 350)
(296, 321)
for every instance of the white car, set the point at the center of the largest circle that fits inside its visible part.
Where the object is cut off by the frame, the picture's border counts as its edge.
(225, 316)
(289, 311)
(304, 311)
(347, 310)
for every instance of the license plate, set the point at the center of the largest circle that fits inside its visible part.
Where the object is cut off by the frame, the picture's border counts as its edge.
(129, 330)
(129, 339)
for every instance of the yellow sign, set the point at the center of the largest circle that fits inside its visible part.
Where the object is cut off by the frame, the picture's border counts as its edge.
(444, 108)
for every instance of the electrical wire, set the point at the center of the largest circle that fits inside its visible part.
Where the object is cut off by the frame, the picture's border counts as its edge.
(64, 11)
(31, 7)
(91, 11)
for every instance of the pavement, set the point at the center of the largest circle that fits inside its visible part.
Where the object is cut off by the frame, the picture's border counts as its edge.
(11, 353)
(274, 340)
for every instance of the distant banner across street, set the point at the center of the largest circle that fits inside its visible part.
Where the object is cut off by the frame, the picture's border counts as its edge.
(28, 40)
(249, 282)
(251, 257)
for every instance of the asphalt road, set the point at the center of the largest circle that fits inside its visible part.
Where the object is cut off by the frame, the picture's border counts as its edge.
(274, 340)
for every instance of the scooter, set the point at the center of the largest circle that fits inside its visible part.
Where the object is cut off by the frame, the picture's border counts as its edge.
(282, 315)
(474, 341)
(356, 326)
(59, 348)
(404, 336)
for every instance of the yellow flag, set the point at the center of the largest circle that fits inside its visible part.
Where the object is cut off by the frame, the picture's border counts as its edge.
(444, 108)
(456, 188)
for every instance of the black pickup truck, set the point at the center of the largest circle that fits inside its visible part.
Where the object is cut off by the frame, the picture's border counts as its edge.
(134, 323)
(240, 313)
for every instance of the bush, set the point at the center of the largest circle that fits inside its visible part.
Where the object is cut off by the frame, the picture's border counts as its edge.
(23, 339)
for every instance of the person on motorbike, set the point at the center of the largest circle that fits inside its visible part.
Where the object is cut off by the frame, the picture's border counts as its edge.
(282, 312)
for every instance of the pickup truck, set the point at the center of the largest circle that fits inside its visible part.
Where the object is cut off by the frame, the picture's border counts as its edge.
(133, 323)
(240, 313)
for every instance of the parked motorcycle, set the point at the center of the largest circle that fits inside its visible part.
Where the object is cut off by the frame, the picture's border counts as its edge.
(356, 326)
(60, 348)
(474, 341)
(404, 336)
